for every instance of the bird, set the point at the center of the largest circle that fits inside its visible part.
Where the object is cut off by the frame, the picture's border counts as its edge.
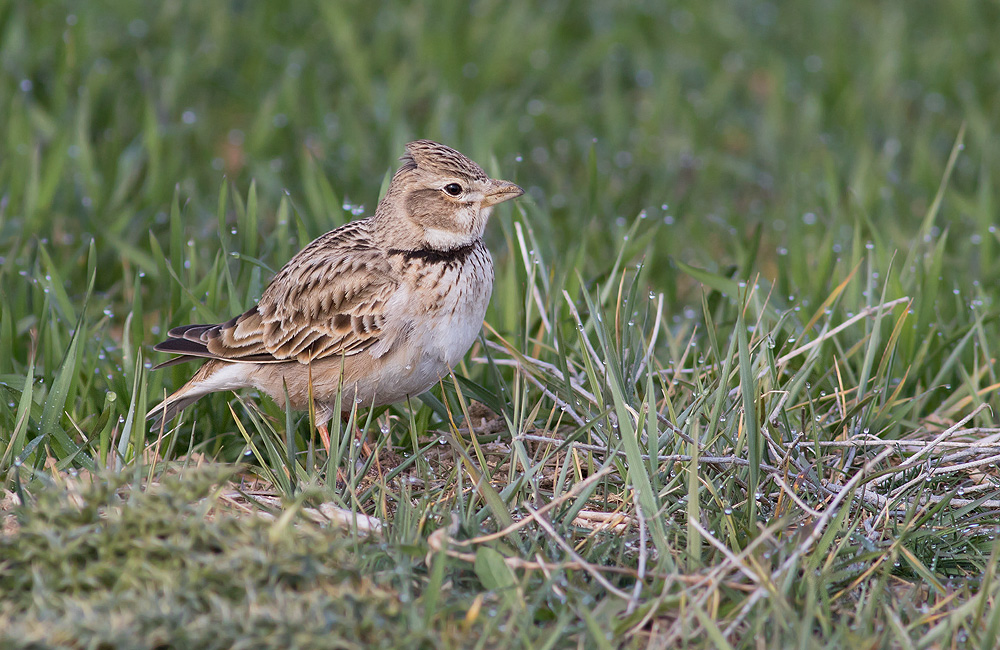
(375, 311)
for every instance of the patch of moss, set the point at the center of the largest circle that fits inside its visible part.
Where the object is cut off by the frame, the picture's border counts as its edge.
(166, 567)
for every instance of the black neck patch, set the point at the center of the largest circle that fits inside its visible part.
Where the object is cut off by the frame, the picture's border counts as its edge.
(435, 256)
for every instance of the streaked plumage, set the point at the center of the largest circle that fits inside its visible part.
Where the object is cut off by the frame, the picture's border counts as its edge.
(395, 300)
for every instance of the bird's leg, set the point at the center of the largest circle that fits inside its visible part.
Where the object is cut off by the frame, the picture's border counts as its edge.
(364, 442)
(324, 436)
(322, 420)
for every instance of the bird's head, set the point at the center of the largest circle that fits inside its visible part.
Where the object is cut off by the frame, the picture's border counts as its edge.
(439, 198)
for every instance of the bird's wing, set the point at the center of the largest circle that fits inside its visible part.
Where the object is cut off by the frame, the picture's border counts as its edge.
(328, 301)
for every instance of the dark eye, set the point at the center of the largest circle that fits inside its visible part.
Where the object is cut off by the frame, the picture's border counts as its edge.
(453, 189)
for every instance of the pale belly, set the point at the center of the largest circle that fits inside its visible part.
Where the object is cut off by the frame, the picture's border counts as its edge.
(431, 352)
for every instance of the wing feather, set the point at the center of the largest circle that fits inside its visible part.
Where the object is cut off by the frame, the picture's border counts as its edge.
(328, 301)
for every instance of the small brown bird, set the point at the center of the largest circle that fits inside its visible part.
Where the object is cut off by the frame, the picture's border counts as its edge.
(378, 310)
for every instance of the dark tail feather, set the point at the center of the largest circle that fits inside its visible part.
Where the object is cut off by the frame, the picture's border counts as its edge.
(175, 361)
(188, 349)
(199, 333)
(182, 346)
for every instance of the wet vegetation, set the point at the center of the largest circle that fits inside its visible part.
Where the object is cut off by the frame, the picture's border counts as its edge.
(736, 386)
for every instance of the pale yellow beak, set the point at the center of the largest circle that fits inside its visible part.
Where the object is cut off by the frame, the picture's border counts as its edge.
(501, 191)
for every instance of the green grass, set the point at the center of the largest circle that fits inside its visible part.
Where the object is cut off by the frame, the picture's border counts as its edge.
(740, 349)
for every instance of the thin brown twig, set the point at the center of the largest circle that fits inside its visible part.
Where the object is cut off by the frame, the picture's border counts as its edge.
(913, 460)
(708, 460)
(976, 446)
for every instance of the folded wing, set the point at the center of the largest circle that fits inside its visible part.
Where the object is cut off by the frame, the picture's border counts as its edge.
(328, 301)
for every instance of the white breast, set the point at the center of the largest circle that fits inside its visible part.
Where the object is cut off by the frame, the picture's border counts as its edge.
(445, 317)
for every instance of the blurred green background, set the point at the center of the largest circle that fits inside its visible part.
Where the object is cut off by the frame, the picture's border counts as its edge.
(714, 117)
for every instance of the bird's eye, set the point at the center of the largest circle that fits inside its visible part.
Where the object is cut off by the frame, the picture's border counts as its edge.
(453, 189)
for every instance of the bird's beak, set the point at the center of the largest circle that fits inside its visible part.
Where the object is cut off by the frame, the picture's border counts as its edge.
(501, 191)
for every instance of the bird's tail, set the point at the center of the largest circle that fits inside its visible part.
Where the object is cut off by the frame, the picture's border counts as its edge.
(169, 408)
(212, 377)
